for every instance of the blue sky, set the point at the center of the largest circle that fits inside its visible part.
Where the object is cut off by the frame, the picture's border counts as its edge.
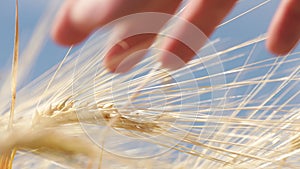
(29, 14)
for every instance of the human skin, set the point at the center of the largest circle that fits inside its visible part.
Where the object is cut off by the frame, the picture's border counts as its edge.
(75, 22)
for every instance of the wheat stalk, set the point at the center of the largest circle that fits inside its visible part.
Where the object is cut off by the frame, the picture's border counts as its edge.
(245, 115)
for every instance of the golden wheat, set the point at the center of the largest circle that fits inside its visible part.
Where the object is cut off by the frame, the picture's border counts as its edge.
(232, 108)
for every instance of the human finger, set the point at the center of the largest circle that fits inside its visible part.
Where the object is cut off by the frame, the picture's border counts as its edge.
(78, 18)
(284, 31)
(142, 30)
(205, 15)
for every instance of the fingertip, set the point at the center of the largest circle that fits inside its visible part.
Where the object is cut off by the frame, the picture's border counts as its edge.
(277, 48)
(170, 61)
(175, 54)
(111, 59)
(121, 60)
(66, 35)
(284, 31)
(128, 52)
(64, 31)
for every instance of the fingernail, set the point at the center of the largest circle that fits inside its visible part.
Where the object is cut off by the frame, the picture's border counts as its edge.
(120, 60)
(130, 61)
(111, 59)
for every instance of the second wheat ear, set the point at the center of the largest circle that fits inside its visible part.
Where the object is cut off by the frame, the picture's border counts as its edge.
(7, 156)
(14, 72)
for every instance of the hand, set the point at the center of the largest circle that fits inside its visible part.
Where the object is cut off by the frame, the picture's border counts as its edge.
(75, 22)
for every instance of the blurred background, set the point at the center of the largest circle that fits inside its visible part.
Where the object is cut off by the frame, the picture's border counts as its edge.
(244, 28)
